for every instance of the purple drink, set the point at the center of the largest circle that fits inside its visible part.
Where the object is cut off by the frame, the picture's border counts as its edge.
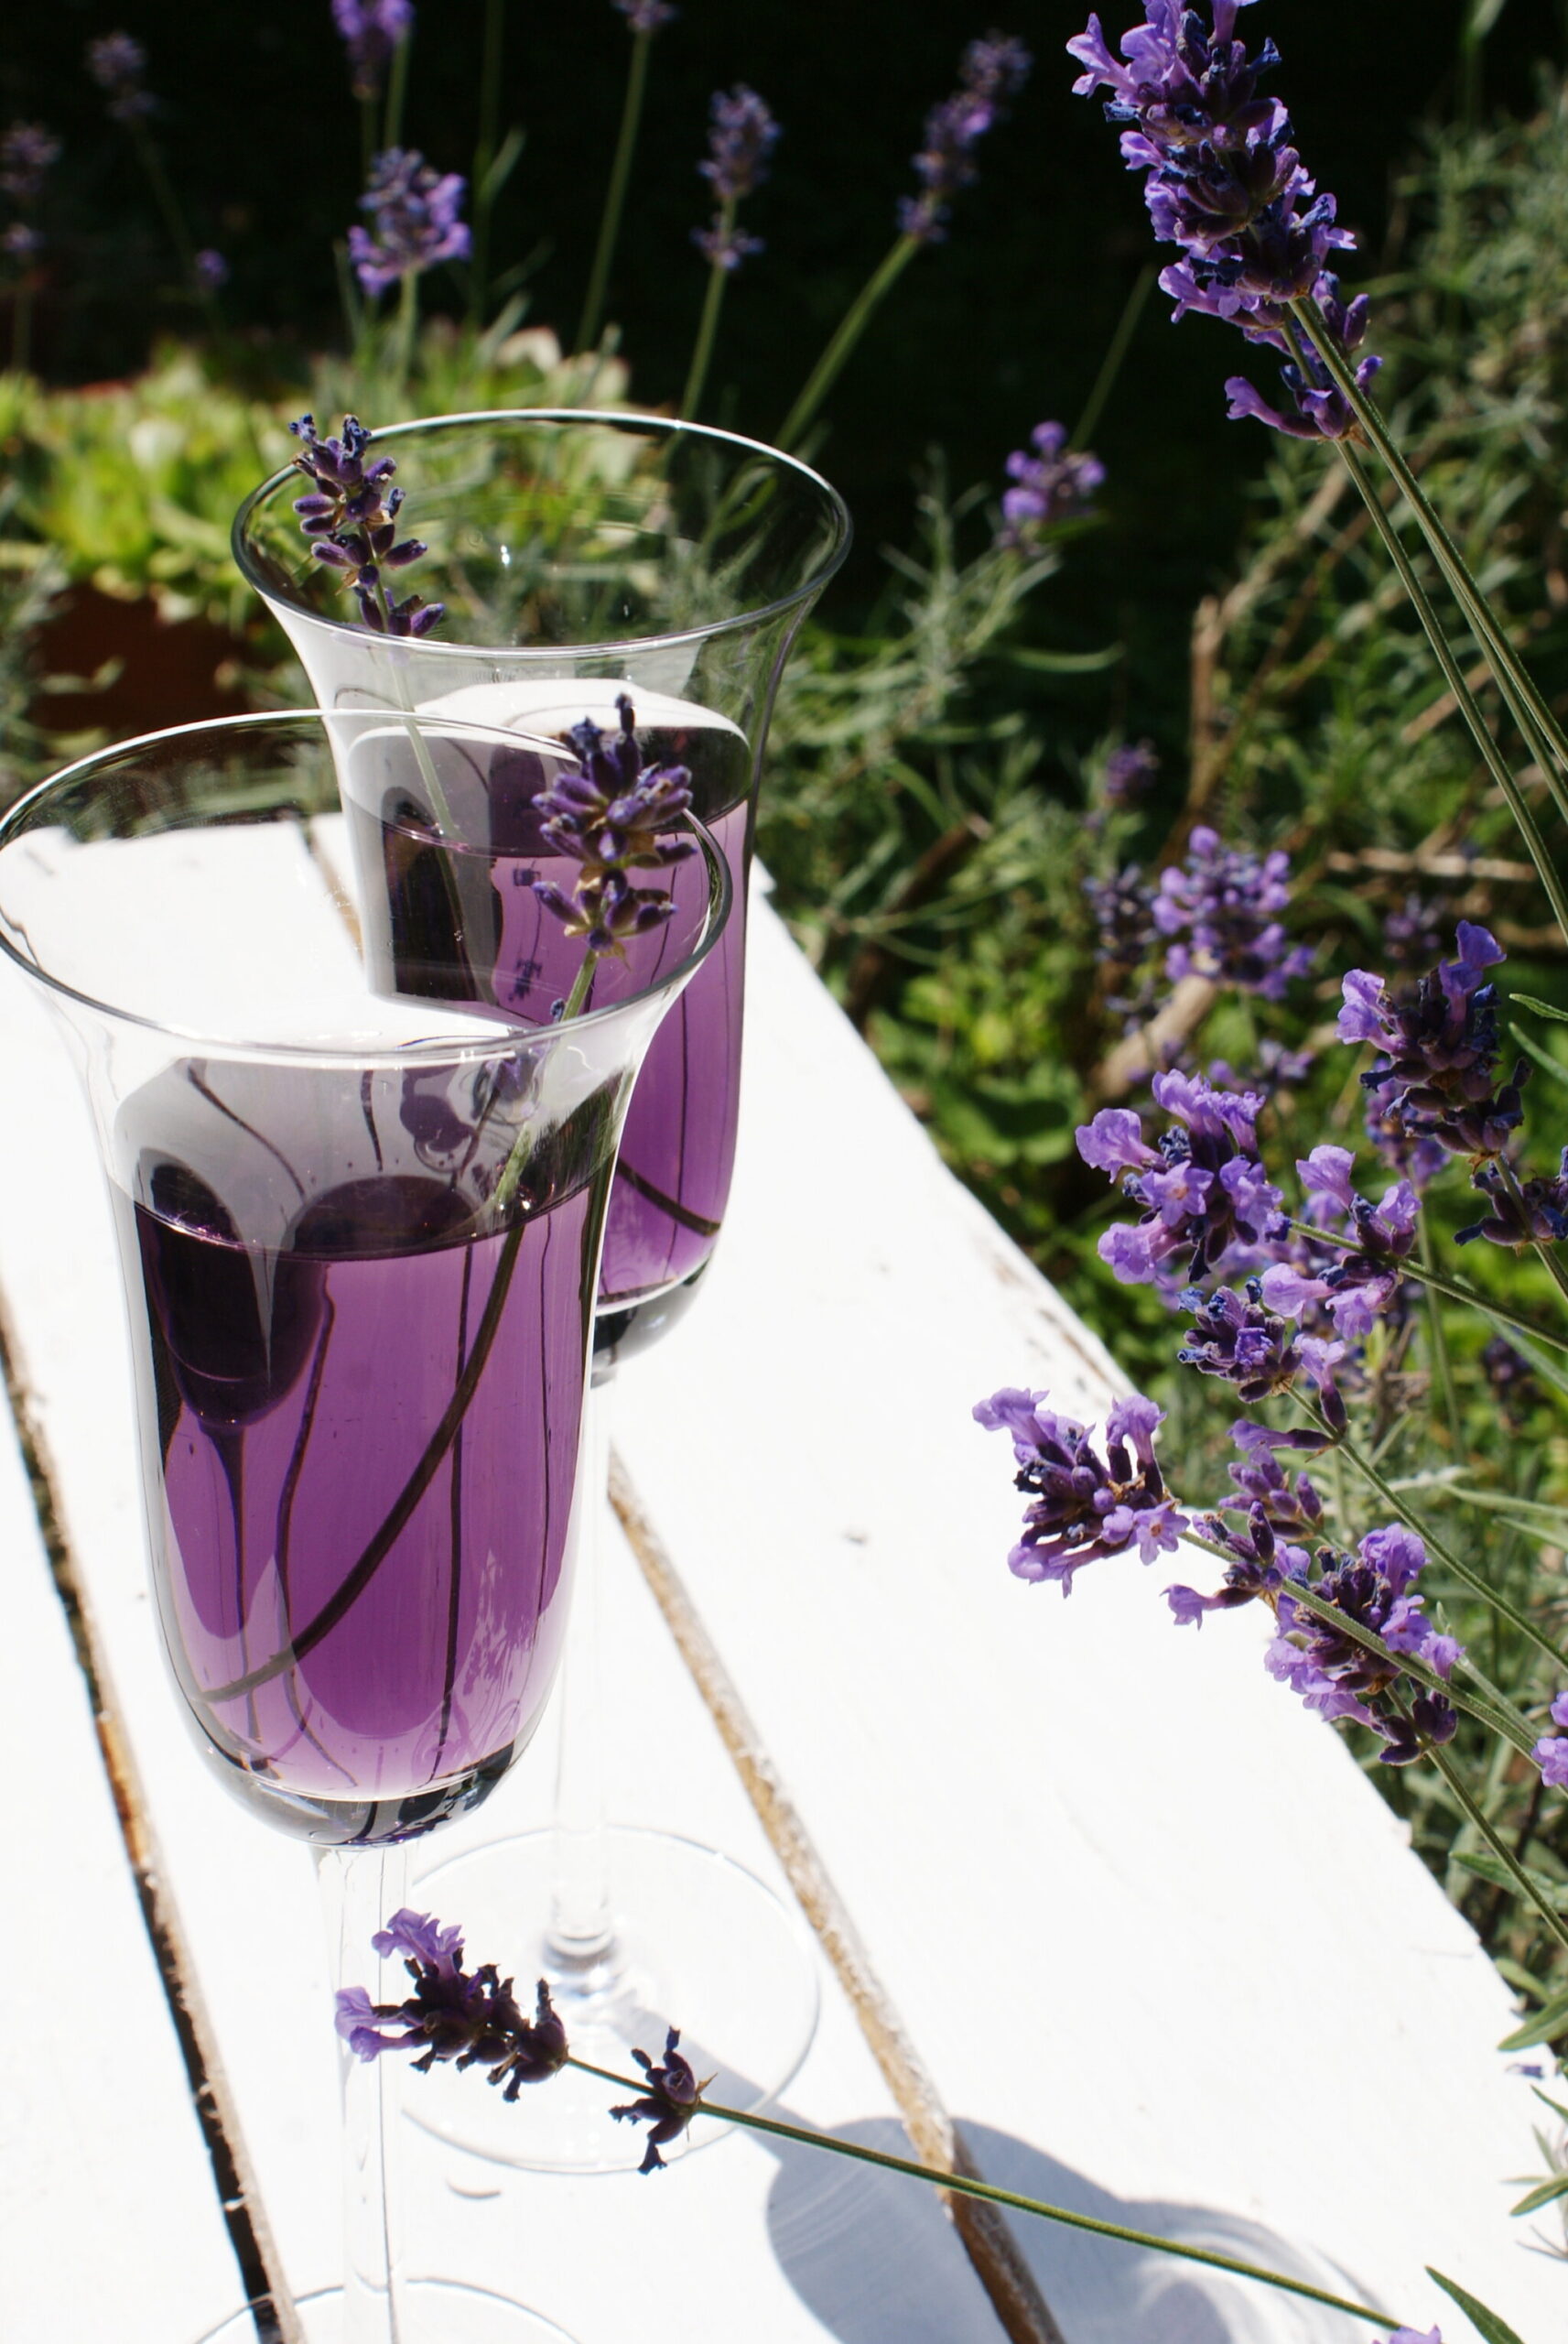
(460, 923)
(360, 1445)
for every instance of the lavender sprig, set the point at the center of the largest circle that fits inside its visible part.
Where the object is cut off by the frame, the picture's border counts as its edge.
(1208, 1207)
(1085, 1506)
(469, 2018)
(1224, 903)
(350, 519)
(1054, 485)
(1225, 184)
(991, 71)
(612, 817)
(741, 137)
(645, 17)
(27, 154)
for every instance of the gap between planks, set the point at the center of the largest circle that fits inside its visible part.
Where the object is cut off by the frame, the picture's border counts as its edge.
(239, 2198)
(936, 2138)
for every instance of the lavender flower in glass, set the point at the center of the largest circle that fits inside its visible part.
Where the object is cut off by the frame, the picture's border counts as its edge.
(360, 1232)
(629, 590)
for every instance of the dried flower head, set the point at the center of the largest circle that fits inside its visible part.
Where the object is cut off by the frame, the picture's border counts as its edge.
(27, 154)
(671, 2097)
(350, 519)
(610, 816)
(1085, 1506)
(468, 2017)
(413, 220)
(117, 63)
(991, 73)
(1054, 485)
(371, 30)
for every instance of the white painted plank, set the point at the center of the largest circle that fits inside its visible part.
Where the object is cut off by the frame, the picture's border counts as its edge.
(97, 2237)
(770, 2243)
(1162, 1943)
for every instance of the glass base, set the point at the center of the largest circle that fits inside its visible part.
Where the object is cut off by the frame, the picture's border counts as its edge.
(439, 2312)
(700, 1944)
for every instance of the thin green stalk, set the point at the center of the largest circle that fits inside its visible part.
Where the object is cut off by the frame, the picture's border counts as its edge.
(1439, 1549)
(1496, 763)
(368, 142)
(615, 194)
(1442, 1366)
(708, 325)
(166, 200)
(1454, 1289)
(1498, 1844)
(22, 324)
(961, 2185)
(484, 157)
(397, 91)
(404, 331)
(1544, 734)
(1111, 364)
(846, 334)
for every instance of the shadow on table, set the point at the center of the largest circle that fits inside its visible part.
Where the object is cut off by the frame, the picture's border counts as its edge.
(874, 2259)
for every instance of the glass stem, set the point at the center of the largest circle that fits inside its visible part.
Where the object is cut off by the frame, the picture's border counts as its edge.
(360, 1890)
(581, 1944)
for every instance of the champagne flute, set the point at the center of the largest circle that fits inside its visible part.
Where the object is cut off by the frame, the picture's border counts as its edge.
(360, 1227)
(614, 569)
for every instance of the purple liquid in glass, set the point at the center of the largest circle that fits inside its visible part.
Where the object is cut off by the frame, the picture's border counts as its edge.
(360, 1450)
(461, 924)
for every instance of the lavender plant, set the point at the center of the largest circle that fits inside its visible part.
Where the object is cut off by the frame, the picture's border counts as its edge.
(646, 18)
(118, 64)
(27, 154)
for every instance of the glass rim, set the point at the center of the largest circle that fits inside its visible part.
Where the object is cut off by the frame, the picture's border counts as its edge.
(665, 427)
(440, 1050)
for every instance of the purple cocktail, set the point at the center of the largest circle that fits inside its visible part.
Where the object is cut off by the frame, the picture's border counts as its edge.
(359, 1451)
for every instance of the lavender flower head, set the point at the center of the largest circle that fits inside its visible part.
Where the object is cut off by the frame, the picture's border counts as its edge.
(608, 817)
(350, 519)
(1355, 1287)
(1085, 1506)
(1054, 485)
(991, 73)
(117, 64)
(1224, 183)
(646, 16)
(27, 154)
(1550, 1752)
(371, 30)
(1340, 1677)
(1129, 771)
(413, 220)
(671, 2097)
(1438, 1041)
(1224, 901)
(466, 2017)
(1204, 1191)
(211, 270)
(741, 137)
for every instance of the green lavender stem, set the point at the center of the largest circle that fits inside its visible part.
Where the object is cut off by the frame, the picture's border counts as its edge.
(847, 332)
(1442, 1366)
(484, 157)
(615, 195)
(1443, 1553)
(962, 2185)
(1547, 740)
(1111, 364)
(708, 325)
(1496, 764)
(397, 92)
(1498, 1844)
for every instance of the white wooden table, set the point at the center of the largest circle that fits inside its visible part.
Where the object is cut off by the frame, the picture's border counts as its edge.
(1151, 1940)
